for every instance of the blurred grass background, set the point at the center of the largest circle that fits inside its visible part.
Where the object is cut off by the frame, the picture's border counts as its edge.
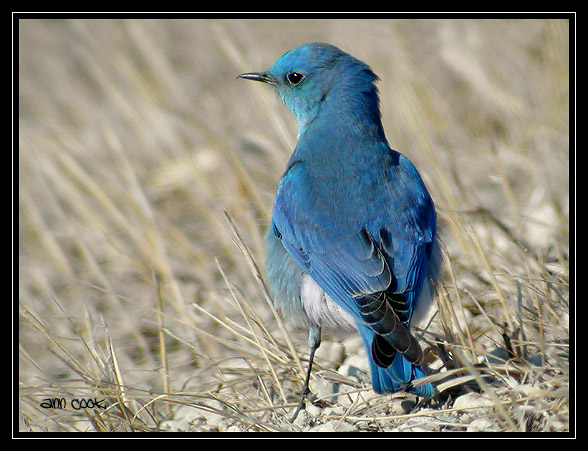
(134, 140)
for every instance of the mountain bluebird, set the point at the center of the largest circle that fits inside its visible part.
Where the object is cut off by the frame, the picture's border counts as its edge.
(352, 244)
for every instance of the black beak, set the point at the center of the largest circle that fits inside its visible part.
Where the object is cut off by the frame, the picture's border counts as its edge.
(259, 76)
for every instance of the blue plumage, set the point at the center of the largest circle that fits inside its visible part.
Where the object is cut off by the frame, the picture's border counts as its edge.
(353, 239)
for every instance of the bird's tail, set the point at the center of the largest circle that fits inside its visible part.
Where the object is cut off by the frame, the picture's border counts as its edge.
(396, 377)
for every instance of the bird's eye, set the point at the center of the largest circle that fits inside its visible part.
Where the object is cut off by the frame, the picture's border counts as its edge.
(294, 78)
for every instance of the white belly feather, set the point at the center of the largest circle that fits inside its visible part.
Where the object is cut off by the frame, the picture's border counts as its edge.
(321, 309)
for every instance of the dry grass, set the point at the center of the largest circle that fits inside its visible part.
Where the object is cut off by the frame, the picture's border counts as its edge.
(146, 178)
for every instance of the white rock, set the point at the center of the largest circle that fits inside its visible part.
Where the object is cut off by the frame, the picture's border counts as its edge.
(334, 426)
(471, 400)
(331, 354)
(482, 425)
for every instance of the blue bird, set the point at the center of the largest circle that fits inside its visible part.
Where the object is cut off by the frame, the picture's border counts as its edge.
(352, 244)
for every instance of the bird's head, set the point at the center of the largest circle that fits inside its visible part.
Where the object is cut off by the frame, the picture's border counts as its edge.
(306, 76)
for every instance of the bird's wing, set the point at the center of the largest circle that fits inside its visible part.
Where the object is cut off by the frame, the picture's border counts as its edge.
(374, 265)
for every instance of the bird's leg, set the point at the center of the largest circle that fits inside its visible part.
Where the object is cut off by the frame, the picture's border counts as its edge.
(314, 341)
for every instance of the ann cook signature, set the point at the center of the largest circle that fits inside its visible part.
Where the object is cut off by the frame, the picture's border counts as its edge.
(76, 403)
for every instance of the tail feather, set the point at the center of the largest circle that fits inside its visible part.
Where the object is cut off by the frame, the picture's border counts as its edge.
(396, 377)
